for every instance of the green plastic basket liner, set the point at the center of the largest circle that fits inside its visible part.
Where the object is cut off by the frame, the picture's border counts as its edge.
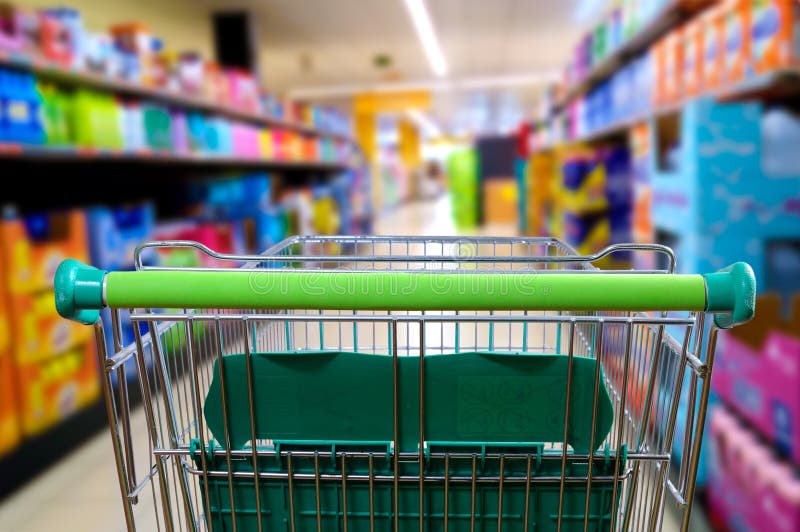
(474, 403)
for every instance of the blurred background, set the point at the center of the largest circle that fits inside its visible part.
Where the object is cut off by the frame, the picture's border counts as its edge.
(239, 123)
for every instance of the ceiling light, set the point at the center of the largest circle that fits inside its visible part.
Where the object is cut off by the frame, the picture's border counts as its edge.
(427, 36)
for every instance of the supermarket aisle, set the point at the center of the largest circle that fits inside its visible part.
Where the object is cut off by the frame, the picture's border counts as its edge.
(81, 492)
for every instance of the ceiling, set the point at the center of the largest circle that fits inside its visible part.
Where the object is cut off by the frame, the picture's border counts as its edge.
(333, 43)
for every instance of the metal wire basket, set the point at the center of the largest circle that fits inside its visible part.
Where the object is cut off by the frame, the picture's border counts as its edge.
(397, 383)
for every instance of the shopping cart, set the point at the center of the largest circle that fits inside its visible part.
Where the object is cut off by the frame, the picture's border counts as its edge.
(393, 383)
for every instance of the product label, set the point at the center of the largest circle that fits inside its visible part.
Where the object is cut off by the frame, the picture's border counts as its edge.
(18, 111)
(733, 39)
(766, 25)
(711, 48)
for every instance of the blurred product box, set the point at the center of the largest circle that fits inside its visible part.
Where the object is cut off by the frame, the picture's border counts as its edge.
(32, 248)
(693, 58)
(500, 201)
(587, 233)
(180, 132)
(775, 34)
(758, 373)
(20, 108)
(245, 140)
(12, 27)
(96, 120)
(55, 114)
(738, 42)
(53, 389)
(223, 237)
(243, 90)
(38, 332)
(218, 138)
(157, 123)
(196, 132)
(310, 149)
(114, 233)
(266, 143)
(672, 78)
(10, 433)
(133, 137)
(583, 183)
(712, 31)
(55, 39)
(749, 488)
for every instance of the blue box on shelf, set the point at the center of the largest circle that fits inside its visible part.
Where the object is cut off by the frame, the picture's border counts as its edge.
(20, 108)
(114, 233)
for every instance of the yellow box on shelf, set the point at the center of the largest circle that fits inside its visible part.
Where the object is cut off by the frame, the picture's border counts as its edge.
(38, 331)
(54, 389)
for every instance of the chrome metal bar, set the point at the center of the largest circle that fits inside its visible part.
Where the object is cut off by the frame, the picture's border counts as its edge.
(570, 354)
(698, 439)
(598, 349)
(248, 356)
(116, 442)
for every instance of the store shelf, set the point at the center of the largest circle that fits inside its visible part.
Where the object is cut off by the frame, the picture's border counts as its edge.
(780, 85)
(672, 14)
(55, 72)
(90, 155)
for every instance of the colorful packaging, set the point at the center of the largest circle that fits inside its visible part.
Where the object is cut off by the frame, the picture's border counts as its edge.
(55, 114)
(9, 420)
(20, 104)
(673, 67)
(31, 248)
(266, 144)
(53, 389)
(500, 201)
(775, 34)
(115, 232)
(38, 332)
(157, 127)
(693, 56)
(749, 488)
(245, 140)
(758, 373)
(738, 18)
(96, 120)
(712, 24)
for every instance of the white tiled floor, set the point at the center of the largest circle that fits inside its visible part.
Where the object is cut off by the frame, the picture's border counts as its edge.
(81, 492)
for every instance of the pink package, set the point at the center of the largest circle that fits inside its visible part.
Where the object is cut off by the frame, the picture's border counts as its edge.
(749, 489)
(757, 372)
(223, 237)
(245, 141)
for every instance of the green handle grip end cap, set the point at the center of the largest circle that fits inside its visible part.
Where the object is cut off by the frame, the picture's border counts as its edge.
(79, 291)
(733, 288)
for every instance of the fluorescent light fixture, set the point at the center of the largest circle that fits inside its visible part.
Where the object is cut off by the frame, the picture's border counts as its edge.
(530, 79)
(424, 123)
(427, 36)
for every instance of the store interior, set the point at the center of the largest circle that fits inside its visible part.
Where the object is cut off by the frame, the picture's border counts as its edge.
(238, 125)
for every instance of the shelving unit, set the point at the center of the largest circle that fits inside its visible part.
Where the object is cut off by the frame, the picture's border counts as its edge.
(55, 72)
(91, 155)
(670, 16)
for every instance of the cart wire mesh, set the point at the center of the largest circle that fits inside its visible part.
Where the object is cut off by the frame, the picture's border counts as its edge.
(179, 474)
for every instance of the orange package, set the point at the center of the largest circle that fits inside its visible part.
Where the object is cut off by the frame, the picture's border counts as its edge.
(738, 19)
(693, 55)
(54, 389)
(9, 422)
(658, 59)
(673, 67)
(32, 249)
(775, 38)
(712, 24)
(38, 331)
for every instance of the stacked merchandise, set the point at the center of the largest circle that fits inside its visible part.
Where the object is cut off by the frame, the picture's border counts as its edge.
(724, 46)
(40, 113)
(750, 488)
(55, 365)
(462, 170)
(595, 198)
(9, 421)
(130, 53)
(114, 233)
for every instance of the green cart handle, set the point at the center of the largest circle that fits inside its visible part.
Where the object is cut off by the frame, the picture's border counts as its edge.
(81, 291)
